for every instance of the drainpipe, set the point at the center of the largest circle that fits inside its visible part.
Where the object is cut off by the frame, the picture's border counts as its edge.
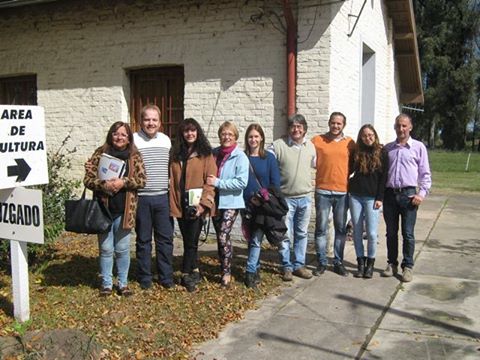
(291, 57)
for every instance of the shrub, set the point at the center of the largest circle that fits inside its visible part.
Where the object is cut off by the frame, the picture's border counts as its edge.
(59, 188)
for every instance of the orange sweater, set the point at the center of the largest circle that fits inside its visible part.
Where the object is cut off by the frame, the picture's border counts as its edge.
(332, 162)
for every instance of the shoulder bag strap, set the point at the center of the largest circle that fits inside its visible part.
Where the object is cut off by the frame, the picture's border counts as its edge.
(255, 174)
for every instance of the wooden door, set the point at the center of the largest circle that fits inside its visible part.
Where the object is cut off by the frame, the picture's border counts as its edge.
(164, 87)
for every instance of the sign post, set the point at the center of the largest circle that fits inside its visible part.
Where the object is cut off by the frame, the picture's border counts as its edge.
(23, 162)
(21, 297)
(21, 221)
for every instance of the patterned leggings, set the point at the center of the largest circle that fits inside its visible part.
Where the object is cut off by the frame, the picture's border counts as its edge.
(223, 224)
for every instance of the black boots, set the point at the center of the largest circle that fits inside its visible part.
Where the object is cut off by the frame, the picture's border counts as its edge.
(251, 280)
(190, 281)
(360, 267)
(369, 269)
(364, 268)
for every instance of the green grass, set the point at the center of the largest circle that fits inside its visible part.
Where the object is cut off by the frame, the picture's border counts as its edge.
(448, 171)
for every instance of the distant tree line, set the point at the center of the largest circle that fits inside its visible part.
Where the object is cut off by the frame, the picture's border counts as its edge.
(448, 39)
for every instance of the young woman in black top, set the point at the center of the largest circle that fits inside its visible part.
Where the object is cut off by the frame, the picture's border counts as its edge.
(366, 187)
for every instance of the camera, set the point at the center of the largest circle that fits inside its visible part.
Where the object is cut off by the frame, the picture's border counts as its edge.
(191, 212)
(248, 213)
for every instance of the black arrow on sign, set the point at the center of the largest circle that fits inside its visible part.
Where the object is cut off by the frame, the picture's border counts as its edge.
(21, 170)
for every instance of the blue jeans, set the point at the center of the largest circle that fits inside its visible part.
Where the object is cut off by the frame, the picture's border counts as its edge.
(398, 205)
(361, 209)
(116, 241)
(254, 248)
(297, 220)
(339, 204)
(153, 213)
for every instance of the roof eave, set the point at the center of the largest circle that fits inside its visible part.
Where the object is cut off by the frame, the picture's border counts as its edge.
(406, 50)
(15, 3)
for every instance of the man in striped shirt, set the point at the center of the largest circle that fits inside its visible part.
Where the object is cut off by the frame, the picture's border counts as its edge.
(153, 211)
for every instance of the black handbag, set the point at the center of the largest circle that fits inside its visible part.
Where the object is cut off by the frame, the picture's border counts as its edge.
(87, 216)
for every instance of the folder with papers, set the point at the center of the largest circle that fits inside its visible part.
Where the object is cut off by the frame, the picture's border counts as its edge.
(110, 167)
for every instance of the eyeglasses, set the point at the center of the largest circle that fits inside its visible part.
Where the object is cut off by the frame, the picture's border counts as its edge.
(227, 134)
(119, 135)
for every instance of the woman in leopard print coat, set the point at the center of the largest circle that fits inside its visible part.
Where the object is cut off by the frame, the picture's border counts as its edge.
(120, 196)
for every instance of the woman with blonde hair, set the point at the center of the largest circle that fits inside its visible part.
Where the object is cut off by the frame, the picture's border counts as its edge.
(230, 180)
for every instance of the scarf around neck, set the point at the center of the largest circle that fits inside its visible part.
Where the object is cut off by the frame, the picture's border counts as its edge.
(120, 154)
(222, 156)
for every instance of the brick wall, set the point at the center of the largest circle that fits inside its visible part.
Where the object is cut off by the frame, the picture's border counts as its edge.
(313, 64)
(80, 51)
(233, 54)
(329, 70)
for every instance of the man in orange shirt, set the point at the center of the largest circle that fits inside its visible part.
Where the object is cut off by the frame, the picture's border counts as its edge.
(334, 151)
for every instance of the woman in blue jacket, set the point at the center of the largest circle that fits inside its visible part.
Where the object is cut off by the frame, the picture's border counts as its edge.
(230, 180)
(263, 173)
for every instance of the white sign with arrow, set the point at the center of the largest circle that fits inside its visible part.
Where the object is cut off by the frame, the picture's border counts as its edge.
(23, 162)
(23, 153)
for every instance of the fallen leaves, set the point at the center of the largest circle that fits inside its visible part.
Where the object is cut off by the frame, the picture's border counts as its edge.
(157, 323)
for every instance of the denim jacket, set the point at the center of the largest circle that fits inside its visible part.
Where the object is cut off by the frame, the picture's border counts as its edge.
(232, 180)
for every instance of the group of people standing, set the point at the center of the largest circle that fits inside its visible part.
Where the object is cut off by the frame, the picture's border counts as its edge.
(270, 189)
(362, 177)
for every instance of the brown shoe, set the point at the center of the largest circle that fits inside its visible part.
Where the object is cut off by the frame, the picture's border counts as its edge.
(302, 273)
(105, 291)
(287, 275)
(125, 291)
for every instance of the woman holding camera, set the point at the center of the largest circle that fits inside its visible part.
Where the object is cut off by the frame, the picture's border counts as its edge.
(120, 196)
(230, 180)
(191, 198)
(264, 173)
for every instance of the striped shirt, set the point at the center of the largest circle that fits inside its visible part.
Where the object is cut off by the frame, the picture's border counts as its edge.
(155, 152)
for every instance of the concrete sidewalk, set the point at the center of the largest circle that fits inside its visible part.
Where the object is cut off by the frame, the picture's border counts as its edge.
(436, 316)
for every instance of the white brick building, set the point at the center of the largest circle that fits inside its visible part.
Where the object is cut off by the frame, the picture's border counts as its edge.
(355, 56)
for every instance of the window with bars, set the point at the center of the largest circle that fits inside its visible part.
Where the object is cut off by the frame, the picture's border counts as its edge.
(18, 90)
(162, 86)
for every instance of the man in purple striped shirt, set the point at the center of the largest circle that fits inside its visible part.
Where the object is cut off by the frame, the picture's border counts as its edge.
(408, 183)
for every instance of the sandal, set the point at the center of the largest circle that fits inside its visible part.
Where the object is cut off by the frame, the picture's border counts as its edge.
(226, 280)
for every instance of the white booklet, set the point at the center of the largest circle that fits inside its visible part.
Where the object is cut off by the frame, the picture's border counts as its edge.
(194, 196)
(110, 167)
